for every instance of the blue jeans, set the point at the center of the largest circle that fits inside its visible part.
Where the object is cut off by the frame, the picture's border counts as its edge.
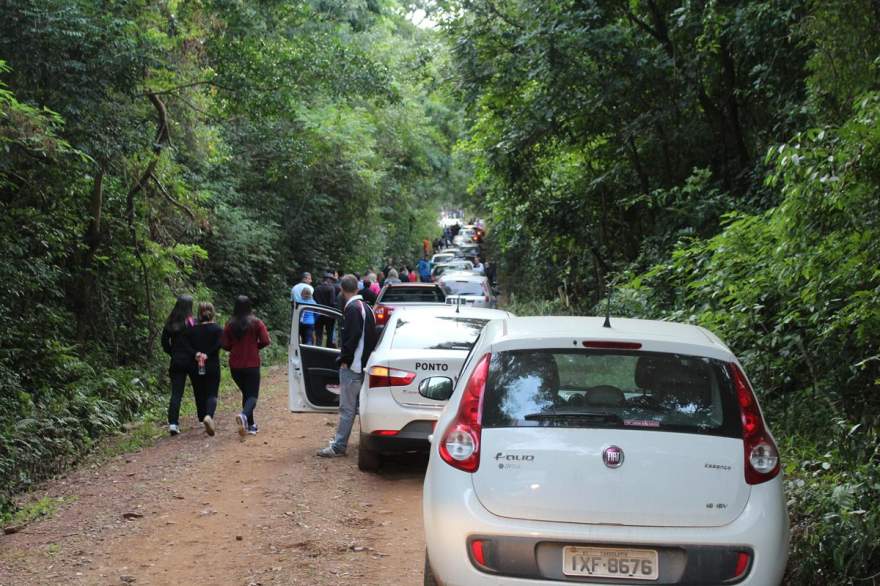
(349, 393)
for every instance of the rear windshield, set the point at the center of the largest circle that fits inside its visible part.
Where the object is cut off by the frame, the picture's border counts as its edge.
(632, 390)
(413, 295)
(445, 332)
(463, 287)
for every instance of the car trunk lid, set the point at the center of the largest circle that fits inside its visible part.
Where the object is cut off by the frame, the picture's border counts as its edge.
(664, 479)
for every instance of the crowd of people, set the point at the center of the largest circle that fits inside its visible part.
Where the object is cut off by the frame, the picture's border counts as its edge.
(193, 342)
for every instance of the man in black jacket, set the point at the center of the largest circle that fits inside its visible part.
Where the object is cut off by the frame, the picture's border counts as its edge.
(358, 341)
(325, 294)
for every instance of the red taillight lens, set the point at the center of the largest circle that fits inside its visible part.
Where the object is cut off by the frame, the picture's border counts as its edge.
(382, 376)
(460, 446)
(742, 564)
(477, 552)
(382, 313)
(385, 432)
(482, 553)
(609, 345)
(761, 453)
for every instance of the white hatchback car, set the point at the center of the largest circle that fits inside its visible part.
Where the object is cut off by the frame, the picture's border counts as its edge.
(570, 452)
(397, 409)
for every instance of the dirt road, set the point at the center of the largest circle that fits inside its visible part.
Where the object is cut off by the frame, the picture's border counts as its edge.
(200, 510)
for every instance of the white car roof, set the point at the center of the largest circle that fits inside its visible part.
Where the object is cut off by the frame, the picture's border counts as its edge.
(553, 331)
(463, 276)
(476, 312)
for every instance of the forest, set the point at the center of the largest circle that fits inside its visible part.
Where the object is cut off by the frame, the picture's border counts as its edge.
(714, 162)
(216, 148)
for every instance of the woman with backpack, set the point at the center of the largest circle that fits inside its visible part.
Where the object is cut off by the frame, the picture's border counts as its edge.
(206, 339)
(244, 336)
(176, 345)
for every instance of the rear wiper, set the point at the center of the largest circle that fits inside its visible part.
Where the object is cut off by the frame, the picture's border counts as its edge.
(599, 417)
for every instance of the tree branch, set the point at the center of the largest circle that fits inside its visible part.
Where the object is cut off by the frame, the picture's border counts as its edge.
(162, 139)
(171, 199)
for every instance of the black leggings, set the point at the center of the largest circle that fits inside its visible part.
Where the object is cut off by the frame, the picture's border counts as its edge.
(248, 381)
(178, 385)
(205, 388)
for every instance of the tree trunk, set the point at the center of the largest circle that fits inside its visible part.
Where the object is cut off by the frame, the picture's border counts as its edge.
(739, 141)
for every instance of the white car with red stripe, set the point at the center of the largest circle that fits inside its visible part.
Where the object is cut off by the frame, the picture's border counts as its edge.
(630, 454)
(397, 411)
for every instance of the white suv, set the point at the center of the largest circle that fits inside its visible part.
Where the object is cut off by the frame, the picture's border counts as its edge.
(571, 452)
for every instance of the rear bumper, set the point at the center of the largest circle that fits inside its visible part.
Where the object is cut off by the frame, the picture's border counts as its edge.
(412, 438)
(380, 412)
(453, 515)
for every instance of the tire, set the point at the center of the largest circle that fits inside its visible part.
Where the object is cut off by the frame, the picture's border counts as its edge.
(429, 574)
(368, 460)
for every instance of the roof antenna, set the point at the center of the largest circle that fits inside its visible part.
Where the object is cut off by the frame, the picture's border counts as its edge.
(609, 289)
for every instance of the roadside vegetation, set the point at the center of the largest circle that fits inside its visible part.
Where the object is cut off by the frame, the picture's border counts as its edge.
(718, 163)
(216, 148)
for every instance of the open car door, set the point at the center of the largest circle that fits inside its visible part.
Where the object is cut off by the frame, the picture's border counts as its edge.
(312, 370)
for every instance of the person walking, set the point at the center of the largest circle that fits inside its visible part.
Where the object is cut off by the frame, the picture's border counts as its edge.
(358, 342)
(412, 276)
(325, 294)
(206, 339)
(176, 345)
(424, 268)
(392, 278)
(244, 336)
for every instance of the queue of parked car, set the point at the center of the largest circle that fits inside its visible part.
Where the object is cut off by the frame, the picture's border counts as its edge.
(594, 450)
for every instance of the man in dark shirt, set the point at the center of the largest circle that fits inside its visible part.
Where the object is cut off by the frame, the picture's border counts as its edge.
(357, 343)
(325, 294)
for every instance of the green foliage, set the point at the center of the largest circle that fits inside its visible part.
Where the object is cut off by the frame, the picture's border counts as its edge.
(795, 291)
(217, 148)
(717, 160)
(43, 507)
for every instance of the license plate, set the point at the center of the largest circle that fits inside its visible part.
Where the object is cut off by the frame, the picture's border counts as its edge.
(610, 562)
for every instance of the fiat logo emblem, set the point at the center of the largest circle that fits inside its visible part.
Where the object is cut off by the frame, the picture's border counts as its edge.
(613, 457)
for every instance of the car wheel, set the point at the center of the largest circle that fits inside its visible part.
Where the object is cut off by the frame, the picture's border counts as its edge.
(429, 574)
(368, 460)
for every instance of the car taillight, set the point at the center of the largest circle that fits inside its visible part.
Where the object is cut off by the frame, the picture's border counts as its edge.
(742, 564)
(761, 454)
(460, 446)
(483, 554)
(382, 376)
(382, 313)
(610, 345)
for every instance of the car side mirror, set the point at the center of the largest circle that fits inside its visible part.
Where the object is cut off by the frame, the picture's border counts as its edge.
(438, 388)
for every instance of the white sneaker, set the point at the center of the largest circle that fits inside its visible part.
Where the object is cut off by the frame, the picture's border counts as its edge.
(209, 425)
(241, 422)
(173, 429)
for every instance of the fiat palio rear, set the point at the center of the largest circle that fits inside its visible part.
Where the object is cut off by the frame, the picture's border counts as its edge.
(626, 455)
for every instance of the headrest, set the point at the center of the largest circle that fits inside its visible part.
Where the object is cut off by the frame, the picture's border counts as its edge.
(605, 396)
(649, 367)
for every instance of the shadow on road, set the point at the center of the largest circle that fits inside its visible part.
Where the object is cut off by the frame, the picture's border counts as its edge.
(403, 467)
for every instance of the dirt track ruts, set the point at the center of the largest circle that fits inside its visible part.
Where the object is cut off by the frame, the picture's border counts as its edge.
(220, 511)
